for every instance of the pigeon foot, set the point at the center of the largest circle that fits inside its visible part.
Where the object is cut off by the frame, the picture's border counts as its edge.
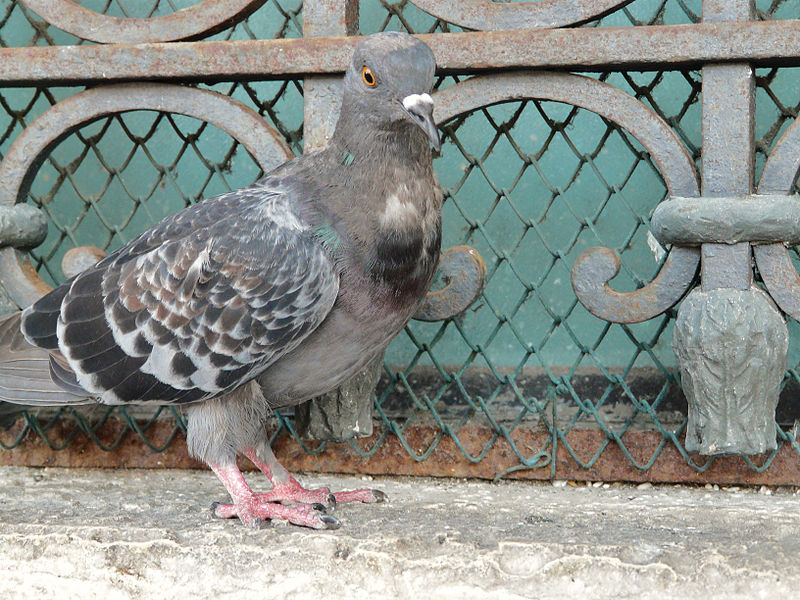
(291, 492)
(287, 489)
(252, 512)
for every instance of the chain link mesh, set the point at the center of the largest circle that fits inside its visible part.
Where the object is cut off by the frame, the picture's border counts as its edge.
(529, 184)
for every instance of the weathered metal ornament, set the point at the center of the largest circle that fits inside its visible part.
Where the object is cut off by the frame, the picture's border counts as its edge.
(195, 21)
(498, 16)
(732, 348)
(344, 413)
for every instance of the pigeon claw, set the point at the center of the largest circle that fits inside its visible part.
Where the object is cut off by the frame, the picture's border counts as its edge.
(330, 522)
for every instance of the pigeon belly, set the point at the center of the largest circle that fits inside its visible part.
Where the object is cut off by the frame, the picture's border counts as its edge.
(344, 344)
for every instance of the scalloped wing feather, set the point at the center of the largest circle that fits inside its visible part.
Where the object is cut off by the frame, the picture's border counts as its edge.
(193, 308)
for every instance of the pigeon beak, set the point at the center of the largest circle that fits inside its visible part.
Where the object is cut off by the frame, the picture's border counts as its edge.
(420, 108)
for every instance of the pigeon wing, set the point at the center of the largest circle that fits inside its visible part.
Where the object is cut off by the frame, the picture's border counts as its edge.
(194, 307)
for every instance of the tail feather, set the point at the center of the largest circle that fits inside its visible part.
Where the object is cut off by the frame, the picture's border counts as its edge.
(31, 376)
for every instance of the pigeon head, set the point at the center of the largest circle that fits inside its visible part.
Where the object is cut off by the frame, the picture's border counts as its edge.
(388, 84)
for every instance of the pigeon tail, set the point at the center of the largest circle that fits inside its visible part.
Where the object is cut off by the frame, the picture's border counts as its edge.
(31, 376)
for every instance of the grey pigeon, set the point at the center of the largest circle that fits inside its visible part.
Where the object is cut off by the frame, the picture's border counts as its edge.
(260, 298)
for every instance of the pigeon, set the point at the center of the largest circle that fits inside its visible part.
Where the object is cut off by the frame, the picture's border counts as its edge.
(260, 298)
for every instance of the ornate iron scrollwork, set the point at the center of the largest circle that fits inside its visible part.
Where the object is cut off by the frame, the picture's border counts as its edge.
(31, 148)
(722, 224)
(730, 341)
(686, 222)
(596, 266)
(495, 16)
(779, 177)
(200, 20)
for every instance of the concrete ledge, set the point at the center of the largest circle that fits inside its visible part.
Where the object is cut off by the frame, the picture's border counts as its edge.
(90, 533)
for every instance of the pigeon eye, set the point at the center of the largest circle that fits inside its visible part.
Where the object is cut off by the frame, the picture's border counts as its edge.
(368, 77)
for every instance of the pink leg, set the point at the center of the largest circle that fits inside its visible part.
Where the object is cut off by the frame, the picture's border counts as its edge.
(252, 510)
(287, 489)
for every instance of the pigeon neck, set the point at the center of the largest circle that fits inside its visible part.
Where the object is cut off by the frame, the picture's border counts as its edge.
(399, 142)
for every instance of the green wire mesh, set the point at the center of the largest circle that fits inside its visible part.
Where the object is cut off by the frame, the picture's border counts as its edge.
(529, 184)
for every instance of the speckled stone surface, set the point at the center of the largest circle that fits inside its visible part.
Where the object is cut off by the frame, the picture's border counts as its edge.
(149, 534)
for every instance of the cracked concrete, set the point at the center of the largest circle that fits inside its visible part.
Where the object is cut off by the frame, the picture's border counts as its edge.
(111, 534)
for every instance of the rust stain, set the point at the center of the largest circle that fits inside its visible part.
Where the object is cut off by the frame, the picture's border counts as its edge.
(391, 458)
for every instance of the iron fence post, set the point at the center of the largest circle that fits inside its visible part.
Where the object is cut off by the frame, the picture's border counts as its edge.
(730, 340)
(344, 413)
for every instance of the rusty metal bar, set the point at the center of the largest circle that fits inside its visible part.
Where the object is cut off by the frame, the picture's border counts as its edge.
(773, 43)
(199, 20)
(728, 90)
(322, 93)
(727, 164)
(446, 460)
(497, 16)
(759, 218)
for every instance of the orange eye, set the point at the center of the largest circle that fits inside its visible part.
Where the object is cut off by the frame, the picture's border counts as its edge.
(368, 77)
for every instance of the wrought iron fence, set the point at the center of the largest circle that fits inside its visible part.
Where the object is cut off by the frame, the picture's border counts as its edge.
(537, 167)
